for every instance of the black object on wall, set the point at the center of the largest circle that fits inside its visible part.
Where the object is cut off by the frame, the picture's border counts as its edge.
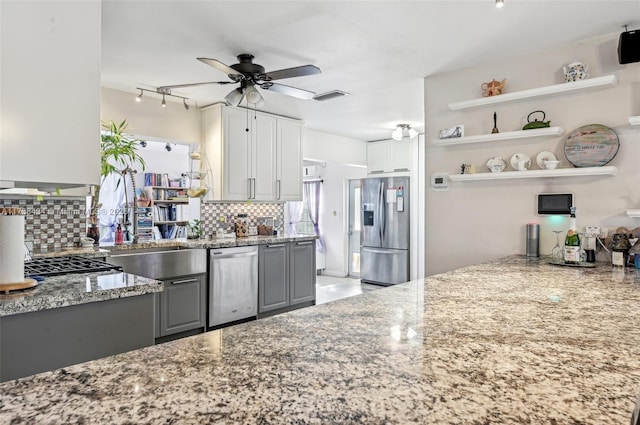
(629, 47)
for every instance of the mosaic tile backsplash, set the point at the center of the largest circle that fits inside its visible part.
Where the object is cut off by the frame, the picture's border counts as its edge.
(55, 224)
(210, 213)
(51, 223)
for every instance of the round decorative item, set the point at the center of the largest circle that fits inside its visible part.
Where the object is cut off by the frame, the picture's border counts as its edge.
(544, 156)
(496, 164)
(520, 161)
(592, 145)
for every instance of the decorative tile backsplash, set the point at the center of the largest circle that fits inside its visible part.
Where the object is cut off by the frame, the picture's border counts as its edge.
(210, 213)
(54, 224)
(51, 223)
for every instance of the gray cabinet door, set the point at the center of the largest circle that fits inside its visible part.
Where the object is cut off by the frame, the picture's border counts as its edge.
(273, 279)
(302, 271)
(182, 304)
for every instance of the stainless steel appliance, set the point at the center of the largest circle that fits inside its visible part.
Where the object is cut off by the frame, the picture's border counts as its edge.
(233, 284)
(384, 241)
(55, 266)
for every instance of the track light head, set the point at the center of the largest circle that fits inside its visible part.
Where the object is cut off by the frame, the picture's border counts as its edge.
(143, 143)
(168, 147)
(184, 102)
(499, 4)
(164, 103)
(139, 97)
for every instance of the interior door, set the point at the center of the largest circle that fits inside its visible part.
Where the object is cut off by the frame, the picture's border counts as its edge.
(355, 227)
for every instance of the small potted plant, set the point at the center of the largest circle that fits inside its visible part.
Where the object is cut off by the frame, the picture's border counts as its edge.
(195, 229)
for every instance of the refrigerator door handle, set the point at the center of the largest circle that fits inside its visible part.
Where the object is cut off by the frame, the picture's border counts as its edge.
(383, 213)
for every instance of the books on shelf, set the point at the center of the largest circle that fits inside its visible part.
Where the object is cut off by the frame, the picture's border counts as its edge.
(178, 193)
(170, 212)
(169, 231)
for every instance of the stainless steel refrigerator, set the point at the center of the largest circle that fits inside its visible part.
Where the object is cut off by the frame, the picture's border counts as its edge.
(384, 241)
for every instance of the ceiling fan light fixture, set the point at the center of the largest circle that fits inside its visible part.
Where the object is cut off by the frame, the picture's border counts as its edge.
(253, 96)
(402, 131)
(234, 97)
(499, 4)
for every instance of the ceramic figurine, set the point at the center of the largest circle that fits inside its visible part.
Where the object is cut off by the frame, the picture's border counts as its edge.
(492, 88)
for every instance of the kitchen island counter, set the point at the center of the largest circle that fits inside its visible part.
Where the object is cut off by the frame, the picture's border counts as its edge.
(508, 341)
(75, 289)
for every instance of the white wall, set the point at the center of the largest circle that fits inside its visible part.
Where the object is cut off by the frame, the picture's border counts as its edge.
(320, 146)
(334, 213)
(483, 220)
(148, 118)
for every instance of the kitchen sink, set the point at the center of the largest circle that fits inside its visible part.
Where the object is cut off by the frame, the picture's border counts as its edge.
(162, 262)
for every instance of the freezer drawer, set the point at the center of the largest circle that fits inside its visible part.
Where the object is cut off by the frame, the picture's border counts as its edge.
(383, 266)
(233, 284)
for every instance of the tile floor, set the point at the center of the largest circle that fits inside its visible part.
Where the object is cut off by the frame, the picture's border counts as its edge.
(331, 288)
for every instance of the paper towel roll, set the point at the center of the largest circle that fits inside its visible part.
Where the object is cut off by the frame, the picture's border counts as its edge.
(11, 248)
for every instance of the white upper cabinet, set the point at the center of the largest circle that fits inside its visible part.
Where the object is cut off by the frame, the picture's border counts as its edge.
(50, 94)
(288, 155)
(251, 155)
(389, 156)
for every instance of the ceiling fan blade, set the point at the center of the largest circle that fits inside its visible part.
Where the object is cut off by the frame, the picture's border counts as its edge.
(298, 71)
(219, 66)
(291, 91)
(178, 86)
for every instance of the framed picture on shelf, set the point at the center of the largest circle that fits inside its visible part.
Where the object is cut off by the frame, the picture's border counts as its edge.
(452, 132)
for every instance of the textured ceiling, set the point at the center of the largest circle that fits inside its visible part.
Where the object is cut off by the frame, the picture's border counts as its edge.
(379, 52)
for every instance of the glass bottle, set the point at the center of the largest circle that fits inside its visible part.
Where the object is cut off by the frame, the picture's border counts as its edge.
(572, 241)
(119, 238)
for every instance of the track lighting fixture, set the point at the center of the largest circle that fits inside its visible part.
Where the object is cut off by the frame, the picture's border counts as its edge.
(164, 92)
(168, 147)
(499, 3)
(402, 131)
(143, 143)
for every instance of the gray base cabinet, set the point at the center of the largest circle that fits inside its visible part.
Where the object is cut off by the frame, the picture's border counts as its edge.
(302, 271)
(181, 305)
(49, 339)
(273, 280)
(287, 277)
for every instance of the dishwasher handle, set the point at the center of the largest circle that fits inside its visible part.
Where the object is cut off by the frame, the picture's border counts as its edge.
(219, 254)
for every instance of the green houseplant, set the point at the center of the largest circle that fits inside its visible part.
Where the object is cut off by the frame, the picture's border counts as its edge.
(118, 154)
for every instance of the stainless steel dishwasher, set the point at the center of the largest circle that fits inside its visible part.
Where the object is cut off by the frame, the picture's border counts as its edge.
(233, 284)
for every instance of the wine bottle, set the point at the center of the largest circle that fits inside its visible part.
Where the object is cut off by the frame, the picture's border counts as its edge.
(572, 241)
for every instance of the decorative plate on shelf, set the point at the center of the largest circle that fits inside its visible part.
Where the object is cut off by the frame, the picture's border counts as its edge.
(545, 156)
(520, 157)
(496, 164)
(592, 145)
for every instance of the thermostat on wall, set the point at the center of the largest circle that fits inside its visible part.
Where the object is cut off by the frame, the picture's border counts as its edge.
(440, 181)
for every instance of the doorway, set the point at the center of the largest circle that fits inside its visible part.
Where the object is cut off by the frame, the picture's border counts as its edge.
(354, 227)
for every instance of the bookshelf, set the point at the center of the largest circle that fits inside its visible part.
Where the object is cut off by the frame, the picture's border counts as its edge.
(169, 209)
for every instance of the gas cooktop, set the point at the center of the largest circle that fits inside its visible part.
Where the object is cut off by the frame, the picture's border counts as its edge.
(54, 266)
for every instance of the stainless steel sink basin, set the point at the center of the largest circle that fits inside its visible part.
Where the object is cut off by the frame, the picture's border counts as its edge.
(161, 262)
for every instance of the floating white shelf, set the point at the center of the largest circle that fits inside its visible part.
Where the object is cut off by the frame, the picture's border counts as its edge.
(634, 120)
(508, 135)
(529, 174)
(547, 91)
(633, 213)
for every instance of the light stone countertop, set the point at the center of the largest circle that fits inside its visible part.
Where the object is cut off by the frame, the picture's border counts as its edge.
(73, 289)
(504, 342)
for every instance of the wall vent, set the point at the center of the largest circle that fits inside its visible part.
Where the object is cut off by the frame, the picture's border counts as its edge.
(330, 95)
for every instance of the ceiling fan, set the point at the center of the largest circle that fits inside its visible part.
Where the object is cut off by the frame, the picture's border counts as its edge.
(250, 75)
